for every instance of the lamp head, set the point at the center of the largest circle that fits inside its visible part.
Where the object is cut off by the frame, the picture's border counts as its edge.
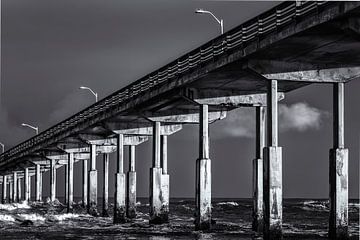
(200, 10)
(82, 87)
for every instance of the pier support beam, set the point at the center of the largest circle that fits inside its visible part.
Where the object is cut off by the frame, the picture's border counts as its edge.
(18, 188)
(258, 204)
(131, 185)
(14, 188)
(92, 187)
(105, 211)
(272, 169)
(4, 190)
(11, 190)
(84, 183)
(70, 177)
(66, 185)
(52, 180)
(157, 215)
(120, 185)
(26, 185)
(338, 222)
(203, 174)
(165, 178)
(38, 183)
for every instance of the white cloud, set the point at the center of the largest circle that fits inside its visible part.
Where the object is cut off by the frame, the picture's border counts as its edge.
(241, 122)
(299, 117)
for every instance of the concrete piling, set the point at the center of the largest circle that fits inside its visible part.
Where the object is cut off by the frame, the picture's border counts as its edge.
(11, 190)
(120, 184)
(131, 185)
(18, 188)
(70, 177)
(4, 190)
(66, 185)
(92, 180)
(105, 209)
(14, 187)
(38, 183)
(258, 204)
(165, 178)
(203, 174)
(52, 180)
(272, 169)
(157, 215)
(84, 183)
(338, 179)
(26, 185)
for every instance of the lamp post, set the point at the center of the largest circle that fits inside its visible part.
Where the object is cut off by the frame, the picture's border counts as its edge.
(89, 89)
(220, 21)
(32, 127)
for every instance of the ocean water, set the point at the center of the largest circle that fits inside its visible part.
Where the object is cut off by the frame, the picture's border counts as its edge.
(303, 219)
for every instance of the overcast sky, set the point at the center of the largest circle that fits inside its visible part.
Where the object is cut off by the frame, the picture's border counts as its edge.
(50, 48)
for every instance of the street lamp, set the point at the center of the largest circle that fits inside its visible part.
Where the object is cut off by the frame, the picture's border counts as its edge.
(32, 127)
(94, 93)
(3, 147)
(220, 21)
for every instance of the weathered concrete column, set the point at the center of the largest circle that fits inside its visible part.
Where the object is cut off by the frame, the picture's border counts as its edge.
(157, 215)
(14, 187)
(11, 190)
(131, 185)
(38, 184)
(105, 210)
(120, 187)
(4, 190)
(203, 174)
(92, 187)
(84, 183)
(26, 185)
(338, 222)
(66, 184)
(165, 178)
(272, 169)
(258, 204)
(70, 188)
(18, 188)
(52, 180)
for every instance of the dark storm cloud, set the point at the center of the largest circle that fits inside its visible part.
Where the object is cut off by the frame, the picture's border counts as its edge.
(50, 48)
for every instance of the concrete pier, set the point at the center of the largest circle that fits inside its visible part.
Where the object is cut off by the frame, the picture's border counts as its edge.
(70, 177)
(38, 183)
(105, 210)
(18, 188)
(11, 190)
(14, 187)
(120, 183)
(165, 178)
(4, 190)
(157, 215)
(84, 183)
(338, 222)
(52, 180)
(92, 180)
(258, 204)
(26, 185)
(131, 185)
(272, 169)
(66, 183)
(203, 174)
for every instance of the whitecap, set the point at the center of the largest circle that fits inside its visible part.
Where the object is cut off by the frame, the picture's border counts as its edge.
(6, 218)
(32, 217)
(65, 216)
(14, 206)
(235, 204)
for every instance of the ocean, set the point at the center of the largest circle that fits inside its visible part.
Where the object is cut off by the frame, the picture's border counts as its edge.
(302, 219)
